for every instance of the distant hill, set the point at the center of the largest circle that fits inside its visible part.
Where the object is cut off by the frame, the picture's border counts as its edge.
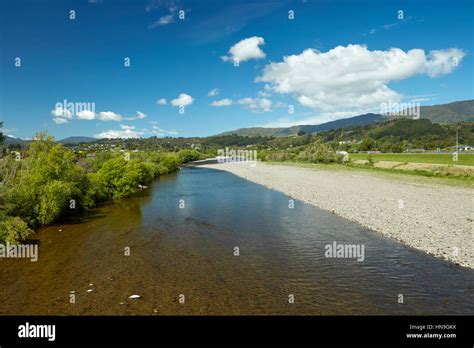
(77, 140)
(445, 114)
(409, 129)
(9, 140)
(393, 135)
(282, 132)
(449, 113)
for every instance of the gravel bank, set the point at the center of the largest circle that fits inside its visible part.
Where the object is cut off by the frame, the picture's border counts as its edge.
(433, 218)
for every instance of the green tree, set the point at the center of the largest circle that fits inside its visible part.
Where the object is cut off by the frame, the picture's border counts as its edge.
(187, 155)
(49, 184)
(169, 162)
(367, 144)
(318, 152)
(119, 177)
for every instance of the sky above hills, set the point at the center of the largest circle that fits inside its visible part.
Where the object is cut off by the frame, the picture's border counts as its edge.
(138, 68)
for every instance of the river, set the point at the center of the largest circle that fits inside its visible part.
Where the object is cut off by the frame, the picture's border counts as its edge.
(182, 233)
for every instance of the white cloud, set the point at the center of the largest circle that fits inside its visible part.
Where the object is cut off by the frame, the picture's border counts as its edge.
(422, 98)
(352, 79)
(59, 120)
(125, 132)
(213, 93)
(222, 102)
(161, 101)
(257, 104)
(109, 116)
(8, 131)
(163, 21)
(183, 100)
(59, 111)
(171, 6)
(246, 49)
(139, 116)
(441, 62)
(89, 115)
(86, 115)
(161, 132)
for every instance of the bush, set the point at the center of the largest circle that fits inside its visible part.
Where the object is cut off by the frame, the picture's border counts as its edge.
(52, 181)
(280, 156)
(170, 161)
(163, 169)
(41, 194)
(318, 152)
(14, 230)
(118, 178)
(55, 201)
(187, 155)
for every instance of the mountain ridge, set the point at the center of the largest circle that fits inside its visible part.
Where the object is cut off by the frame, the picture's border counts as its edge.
(77, 140)
(454, 112)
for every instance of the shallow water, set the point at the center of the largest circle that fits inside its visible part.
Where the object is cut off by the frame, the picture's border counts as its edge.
(190, 251)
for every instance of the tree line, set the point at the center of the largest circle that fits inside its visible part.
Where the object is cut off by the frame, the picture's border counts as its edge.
(47, 182)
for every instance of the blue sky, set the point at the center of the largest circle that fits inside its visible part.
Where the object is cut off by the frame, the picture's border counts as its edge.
(345, 58)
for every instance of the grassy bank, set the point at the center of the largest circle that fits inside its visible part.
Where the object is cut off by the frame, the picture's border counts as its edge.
(394, 174)
(463, 158)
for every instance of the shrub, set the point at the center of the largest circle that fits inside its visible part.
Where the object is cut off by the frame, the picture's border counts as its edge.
(41, 194)
(280, 156)
(187, 155)
(170, 161)
(14, 230)
(118, 178)
(318, 152)
(163, 169)
(370, 160)
(55, 201)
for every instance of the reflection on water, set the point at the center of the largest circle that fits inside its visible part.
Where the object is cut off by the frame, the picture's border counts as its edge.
(190, 251)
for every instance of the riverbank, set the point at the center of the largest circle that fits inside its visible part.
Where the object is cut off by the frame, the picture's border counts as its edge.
(434, 218)
(191, 252)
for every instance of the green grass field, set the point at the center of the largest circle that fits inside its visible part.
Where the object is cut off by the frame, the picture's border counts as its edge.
(463, 159)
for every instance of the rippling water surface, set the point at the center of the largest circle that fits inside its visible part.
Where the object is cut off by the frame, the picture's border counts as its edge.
(190, 251)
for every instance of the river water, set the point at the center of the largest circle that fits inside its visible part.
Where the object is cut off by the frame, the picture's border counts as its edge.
(182, 233)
